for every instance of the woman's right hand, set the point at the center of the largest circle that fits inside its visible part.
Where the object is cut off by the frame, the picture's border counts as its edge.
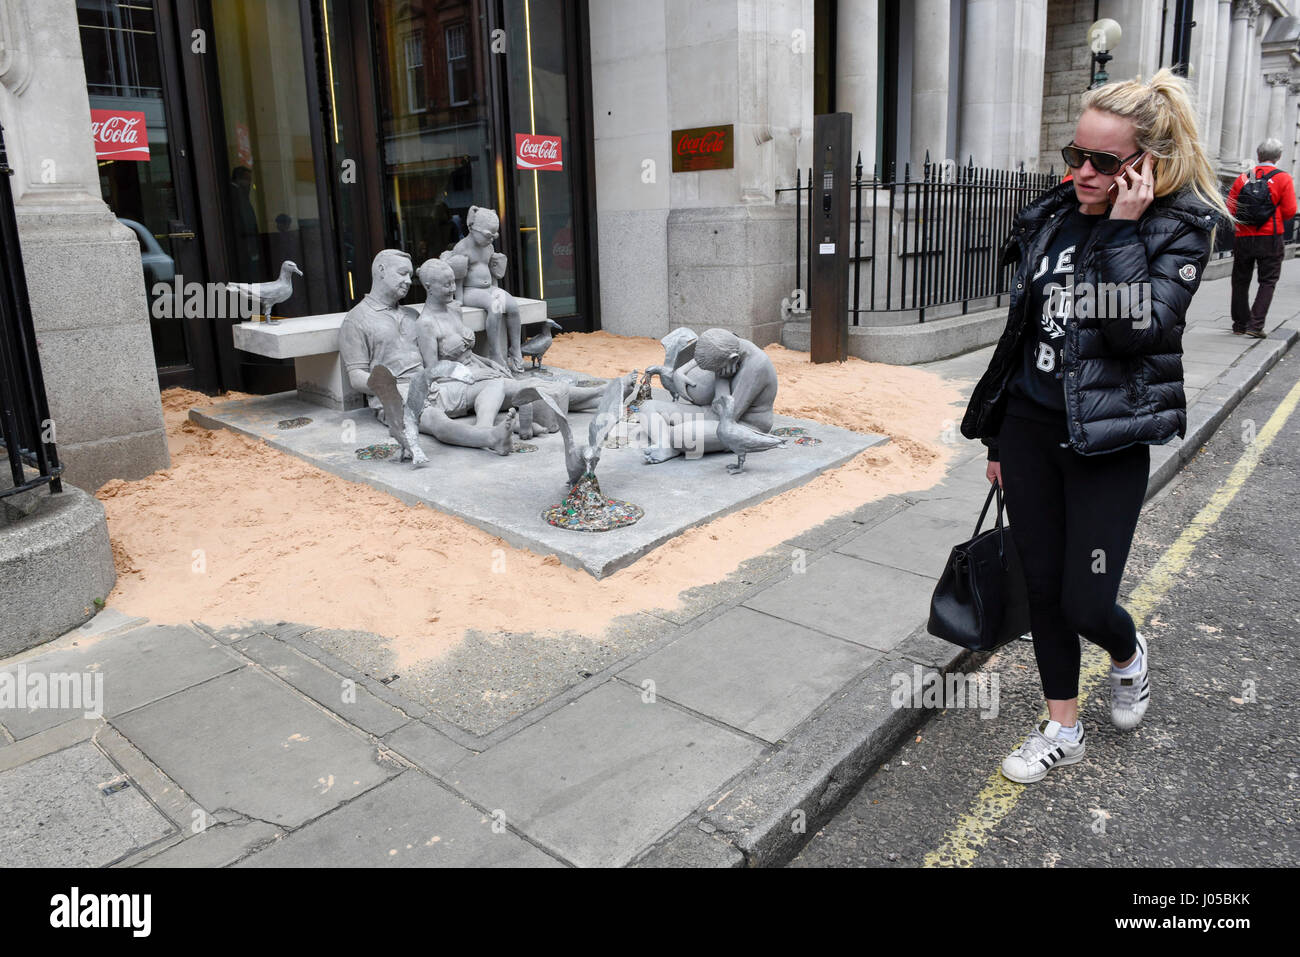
(994, 473)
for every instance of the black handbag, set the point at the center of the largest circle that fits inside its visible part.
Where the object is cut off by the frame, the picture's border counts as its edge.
(980, 601)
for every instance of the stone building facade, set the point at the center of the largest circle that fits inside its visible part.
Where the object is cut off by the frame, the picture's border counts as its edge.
(1244, 64)
(996, 82)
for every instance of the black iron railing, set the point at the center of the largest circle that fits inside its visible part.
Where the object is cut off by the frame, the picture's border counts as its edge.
(929, 242)
(26, 432)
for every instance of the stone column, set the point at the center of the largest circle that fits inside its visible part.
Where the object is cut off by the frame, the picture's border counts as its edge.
(1277, 83)
(1244, 13)
(1256, 112)
(1219, 80)
(1291, 129)
(83, 267)
(855, 73)
(1002, 105)
(930, 56)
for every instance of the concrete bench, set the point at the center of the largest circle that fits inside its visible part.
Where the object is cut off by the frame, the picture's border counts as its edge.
(312, 342)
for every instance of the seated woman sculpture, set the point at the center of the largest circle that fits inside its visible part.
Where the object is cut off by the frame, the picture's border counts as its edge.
(724, 364)
(464, 381)
(379, 330)
(479, 278)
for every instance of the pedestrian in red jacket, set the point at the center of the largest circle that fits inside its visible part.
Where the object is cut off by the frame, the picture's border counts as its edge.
(1262, 220)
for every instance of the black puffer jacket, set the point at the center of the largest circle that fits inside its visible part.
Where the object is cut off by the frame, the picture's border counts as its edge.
(1123, 376)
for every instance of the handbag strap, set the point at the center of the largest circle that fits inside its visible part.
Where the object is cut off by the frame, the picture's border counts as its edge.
(995, 488)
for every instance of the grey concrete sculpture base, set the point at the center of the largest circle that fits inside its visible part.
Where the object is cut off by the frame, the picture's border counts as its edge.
(54, 564)
(505, 496)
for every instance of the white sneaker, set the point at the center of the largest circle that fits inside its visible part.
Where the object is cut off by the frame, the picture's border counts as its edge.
(1129, 696)
(1041, 752)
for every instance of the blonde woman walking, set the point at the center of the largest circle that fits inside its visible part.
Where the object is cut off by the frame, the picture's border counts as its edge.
(1087, 376)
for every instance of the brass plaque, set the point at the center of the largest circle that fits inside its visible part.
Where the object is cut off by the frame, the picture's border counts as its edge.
(705, 147)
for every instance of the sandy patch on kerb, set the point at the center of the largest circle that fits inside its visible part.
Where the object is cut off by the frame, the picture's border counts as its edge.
(236, 531)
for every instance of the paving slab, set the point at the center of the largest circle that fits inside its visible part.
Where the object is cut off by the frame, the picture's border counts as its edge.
(963, 509)
(850, 598)
(275, 629)
(138, 666)
(830, 531)
(426, 747)
(247, 743)
(695, 601)
(341, 695)
(914, 541)
(506, 495)
(54, 812)
(754, 672)
(492, 678)
(407, 822)
(216, 846)
(604, 776)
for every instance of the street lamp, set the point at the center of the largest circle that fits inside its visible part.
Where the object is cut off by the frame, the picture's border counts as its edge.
(1103, 36)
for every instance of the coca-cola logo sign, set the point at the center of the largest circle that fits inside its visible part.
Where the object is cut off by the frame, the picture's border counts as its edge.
(705, 147)
(120, 135)
(535, 151)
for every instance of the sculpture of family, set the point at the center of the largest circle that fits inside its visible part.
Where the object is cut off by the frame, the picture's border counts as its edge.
(722, 387)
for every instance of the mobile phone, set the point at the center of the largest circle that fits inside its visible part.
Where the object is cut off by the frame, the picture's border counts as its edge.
(1113, 191)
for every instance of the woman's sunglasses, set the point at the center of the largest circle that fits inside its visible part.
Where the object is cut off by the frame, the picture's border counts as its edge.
(1107, 164)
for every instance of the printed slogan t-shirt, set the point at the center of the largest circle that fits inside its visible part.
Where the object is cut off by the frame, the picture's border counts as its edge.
(1035, 389)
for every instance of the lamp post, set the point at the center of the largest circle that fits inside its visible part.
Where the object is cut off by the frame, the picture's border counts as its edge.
(1103, 36)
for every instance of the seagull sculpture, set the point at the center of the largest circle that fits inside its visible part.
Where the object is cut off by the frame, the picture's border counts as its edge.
(536, 347)
(679, 349)
(738, 437)
(581, 460)
(269, 294)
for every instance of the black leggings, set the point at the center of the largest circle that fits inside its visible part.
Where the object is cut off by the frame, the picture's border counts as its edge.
(1072, 518)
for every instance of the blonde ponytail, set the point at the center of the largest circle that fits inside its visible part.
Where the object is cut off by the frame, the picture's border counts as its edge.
(1163, 112)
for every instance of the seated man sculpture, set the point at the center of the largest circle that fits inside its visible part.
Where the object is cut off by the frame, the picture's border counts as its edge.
(379, 330)
(478, 280)
(724, 364)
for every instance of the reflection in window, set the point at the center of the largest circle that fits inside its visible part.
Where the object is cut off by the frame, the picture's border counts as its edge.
(457, 65)
(272, 196)
(439, 161)
(415, 73)
(119, 47)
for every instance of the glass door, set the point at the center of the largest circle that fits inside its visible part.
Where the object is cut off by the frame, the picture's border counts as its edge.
(144, 170)
(545, 151)
(261, 157)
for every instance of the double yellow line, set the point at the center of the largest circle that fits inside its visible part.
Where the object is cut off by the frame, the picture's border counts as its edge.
(968, 836)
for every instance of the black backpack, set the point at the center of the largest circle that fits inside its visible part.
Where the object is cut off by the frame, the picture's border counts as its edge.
(1255, 204)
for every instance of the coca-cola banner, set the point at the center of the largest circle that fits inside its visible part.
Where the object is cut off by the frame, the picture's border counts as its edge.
(705, 147)
(119, 135)
(535, 151)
